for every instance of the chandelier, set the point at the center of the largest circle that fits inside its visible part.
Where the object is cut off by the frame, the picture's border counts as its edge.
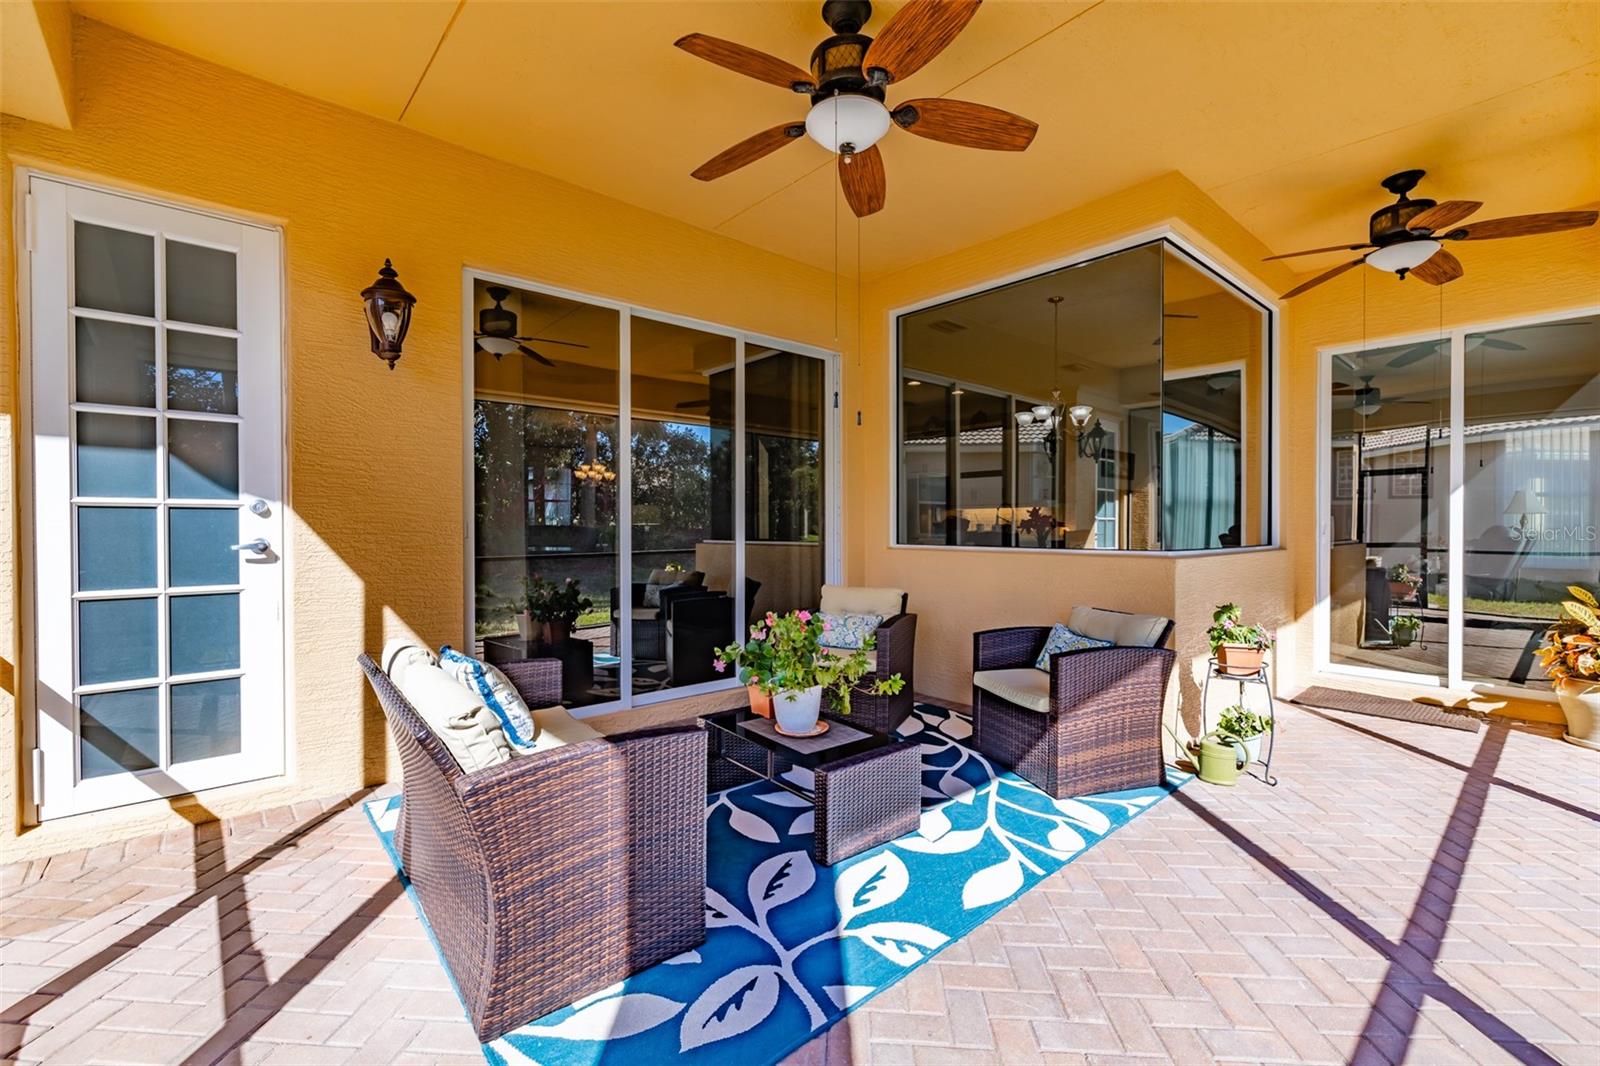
(595, 472)
(1090, 438)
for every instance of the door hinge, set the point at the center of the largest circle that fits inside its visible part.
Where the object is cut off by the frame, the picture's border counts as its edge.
(29, 222)
(38, 778)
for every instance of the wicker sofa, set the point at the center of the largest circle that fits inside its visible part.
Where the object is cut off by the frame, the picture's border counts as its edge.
(557, 873)
(1092, 722)
(894, 652)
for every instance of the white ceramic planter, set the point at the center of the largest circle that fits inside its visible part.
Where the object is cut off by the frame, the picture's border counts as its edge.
(1252, 747)
(1580, 702)
(525, 626)
(797, 711)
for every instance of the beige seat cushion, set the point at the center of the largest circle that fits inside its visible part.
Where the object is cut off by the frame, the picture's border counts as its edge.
(860, 599)
(457, 715)
(1024, 686)
(557, 728)
(646, 614)
(400, 653)
(1123, 630)
(872, 656)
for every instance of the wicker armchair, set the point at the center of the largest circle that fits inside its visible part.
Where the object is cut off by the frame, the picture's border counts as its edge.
(896, 652)
(555, 874)
(1100, 730)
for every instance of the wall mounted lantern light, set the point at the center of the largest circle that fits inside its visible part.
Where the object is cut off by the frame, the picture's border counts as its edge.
(388, 306)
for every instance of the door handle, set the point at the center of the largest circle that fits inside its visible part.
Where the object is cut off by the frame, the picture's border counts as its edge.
(259, 546)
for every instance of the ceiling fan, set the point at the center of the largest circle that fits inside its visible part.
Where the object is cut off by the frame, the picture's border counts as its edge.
(497, 331)
(1406, 236)
(849, 73)
(1368, 398)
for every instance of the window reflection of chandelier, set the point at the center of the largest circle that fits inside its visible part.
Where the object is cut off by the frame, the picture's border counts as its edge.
(595, 471)
(1091, 440)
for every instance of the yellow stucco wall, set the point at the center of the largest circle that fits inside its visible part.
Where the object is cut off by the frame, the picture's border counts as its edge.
(375, 468)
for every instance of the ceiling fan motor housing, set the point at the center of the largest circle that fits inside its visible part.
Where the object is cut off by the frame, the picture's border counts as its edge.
(1389, 223)
(497, 321)
(836, 62)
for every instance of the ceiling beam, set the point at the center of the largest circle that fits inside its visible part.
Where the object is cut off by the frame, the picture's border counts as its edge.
(36, 61)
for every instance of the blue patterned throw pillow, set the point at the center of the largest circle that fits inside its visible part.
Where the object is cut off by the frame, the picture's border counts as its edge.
(849, 631)
(497, 693)
(1063, 639)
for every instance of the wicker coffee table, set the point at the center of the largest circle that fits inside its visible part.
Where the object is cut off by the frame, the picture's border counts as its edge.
(866, 786)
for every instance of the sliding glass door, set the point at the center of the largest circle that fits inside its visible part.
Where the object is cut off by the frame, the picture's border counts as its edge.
(633, 562)
(1462, 497)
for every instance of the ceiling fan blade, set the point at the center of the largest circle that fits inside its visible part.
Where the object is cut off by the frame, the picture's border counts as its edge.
(689, 405)
(535, 356)
(1503, 345)
(917, 32)
(750, 62)
(967, 124)
(1414, 354)
(1443, 216)
(864, 182)
(748, 151)
(1172, 314)
(1328, 275)
(552, 340)
(1345, 361)
(1439, 268)
(1317, 251)
(1521, 226)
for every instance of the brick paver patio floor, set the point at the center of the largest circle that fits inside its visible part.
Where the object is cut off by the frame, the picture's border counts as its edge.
(1407, 894)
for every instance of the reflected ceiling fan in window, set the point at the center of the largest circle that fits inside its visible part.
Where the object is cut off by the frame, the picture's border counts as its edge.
(1367, 398)
(497, 331)
(847, 81)
(1406, 236)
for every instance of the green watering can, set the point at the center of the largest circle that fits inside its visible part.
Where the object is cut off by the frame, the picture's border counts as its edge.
(1221, 761)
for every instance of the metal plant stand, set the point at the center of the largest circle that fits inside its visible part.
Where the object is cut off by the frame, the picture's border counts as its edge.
(1214, 671)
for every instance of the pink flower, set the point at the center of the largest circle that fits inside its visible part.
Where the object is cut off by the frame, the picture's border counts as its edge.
(772, 619)
(754, 678)
(758, 633)
(826, 625)
(719, 665)
(804, 616)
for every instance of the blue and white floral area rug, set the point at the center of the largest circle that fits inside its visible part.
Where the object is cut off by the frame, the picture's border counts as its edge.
(791, 947)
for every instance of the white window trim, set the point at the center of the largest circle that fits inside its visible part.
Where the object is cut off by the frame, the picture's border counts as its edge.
(1246, 286)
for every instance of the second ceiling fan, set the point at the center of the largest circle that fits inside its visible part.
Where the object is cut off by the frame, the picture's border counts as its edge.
(849, 74)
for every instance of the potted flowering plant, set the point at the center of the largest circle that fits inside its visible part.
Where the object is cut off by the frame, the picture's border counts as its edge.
(550, 608)
(1239, 648)
(784, 660)
(1402, 586)
(1570, 654)
(1245, 726)
(1405, 630)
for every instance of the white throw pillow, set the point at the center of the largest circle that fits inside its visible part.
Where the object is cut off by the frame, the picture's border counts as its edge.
(457, 716)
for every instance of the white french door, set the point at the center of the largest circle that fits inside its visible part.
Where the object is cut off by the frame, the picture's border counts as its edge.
(156, 426)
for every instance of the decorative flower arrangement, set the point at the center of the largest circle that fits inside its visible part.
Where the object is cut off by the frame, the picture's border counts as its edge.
(554, 601)
(1038, 522)
(1571, 649)
(784, 654)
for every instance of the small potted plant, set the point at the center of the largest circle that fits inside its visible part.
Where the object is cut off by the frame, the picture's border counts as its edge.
(1238, 648)
(784, 659)
(1245, 726)
(1402, 586)
(1405, 629)
(552, 607)
(1570, 654)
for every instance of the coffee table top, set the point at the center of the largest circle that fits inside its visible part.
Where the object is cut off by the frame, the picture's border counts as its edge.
(744, 723)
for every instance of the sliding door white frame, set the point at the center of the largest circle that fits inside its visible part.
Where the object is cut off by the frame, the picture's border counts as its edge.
(1456, 338)
(833, 525)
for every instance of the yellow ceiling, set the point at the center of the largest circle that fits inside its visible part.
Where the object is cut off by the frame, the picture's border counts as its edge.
(1288, 114)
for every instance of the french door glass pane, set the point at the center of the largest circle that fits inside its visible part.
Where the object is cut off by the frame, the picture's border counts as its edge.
(114, 270)
(116, 455)
(545, 480)
(1532, 490)
(204, 633)
(116, 640)
(198, 551)
(116, 548)
(682, 595)
(205, 720)
(201, 285)
(202, 372)
(115, 363)
(785, 418)
(1391, 481)
(203, 459)
(119, 731)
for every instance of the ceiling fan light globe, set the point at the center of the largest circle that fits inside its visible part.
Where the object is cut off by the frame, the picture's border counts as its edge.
(497, 345)
(847, 119)
(1403, 256)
